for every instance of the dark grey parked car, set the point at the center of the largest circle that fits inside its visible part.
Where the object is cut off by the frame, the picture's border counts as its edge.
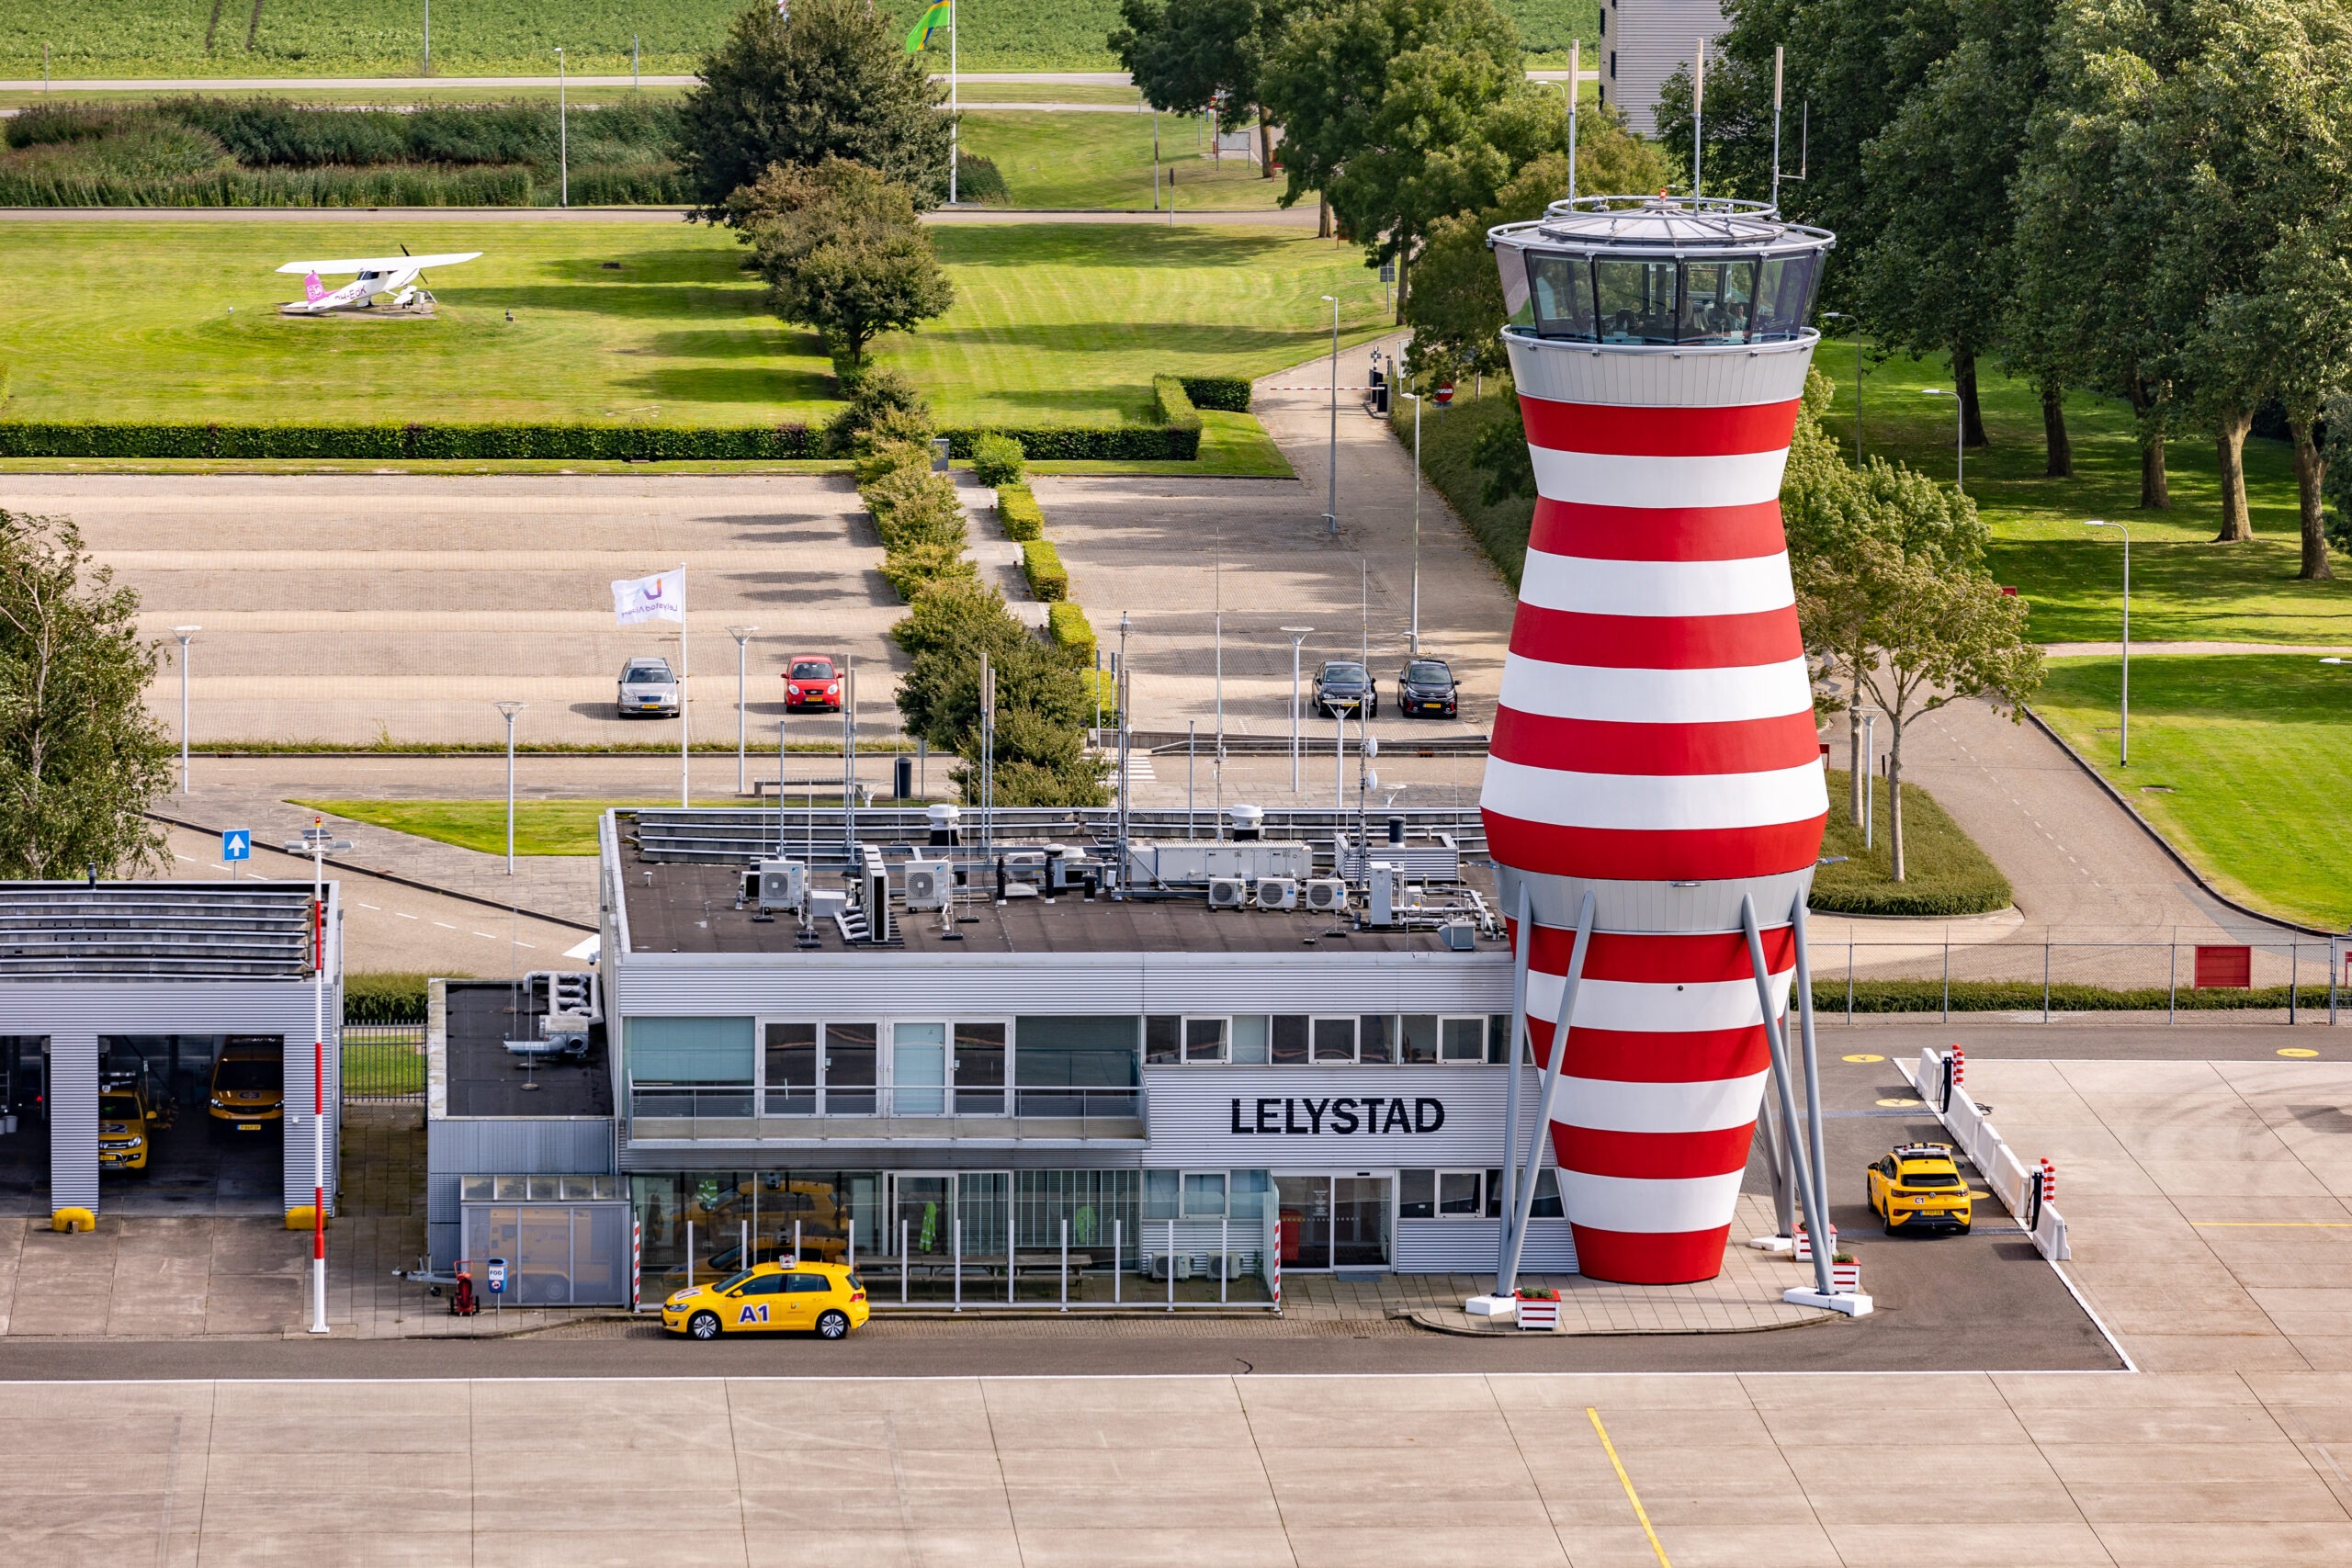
(1427, 686)
(1345, 686)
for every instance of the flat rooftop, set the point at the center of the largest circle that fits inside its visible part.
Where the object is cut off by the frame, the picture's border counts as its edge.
(681, 908)
(483, 1080)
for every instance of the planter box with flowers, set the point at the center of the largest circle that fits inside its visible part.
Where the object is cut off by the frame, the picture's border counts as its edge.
(1845, 1273)
(1804, 1242)
(1539, 1310)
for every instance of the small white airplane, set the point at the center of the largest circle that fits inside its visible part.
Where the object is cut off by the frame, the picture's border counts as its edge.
(396, 276)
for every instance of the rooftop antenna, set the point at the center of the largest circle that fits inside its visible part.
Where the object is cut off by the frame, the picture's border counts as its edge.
(1698, 102)
(1576, 91)
(1776, 128)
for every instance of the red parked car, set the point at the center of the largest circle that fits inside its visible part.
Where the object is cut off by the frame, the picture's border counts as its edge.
(811, 681)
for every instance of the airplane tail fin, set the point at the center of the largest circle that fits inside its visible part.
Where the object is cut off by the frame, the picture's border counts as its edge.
(312, 289)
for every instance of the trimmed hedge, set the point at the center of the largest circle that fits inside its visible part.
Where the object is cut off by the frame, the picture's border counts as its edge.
(1172, 406)
(378, 442)
(2025, 996)
(996, 460)
(1018, 513)
(1071, 629)
(383, 997)
(1042, 564)
(1227, 394)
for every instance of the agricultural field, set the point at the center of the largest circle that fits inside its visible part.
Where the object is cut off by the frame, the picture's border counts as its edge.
(369, 38)
(1053, 323)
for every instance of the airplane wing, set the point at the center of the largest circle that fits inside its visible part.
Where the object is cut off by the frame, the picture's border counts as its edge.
(380, 264)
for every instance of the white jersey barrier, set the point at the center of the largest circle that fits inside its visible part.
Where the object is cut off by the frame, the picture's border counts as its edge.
(2019, 1187)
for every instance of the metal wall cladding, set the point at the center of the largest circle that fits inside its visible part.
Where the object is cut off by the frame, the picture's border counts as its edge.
(500, 1145)
(1468, 1247)
(73, 1090)
(1319, 1117)
(1647, 41)
(1661, 375)
(1070, 984)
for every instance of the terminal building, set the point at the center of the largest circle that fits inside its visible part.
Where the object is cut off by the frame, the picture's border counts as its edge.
(1644, 41)
(995, 1070)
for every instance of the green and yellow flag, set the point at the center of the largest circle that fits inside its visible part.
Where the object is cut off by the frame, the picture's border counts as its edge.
(937, 17)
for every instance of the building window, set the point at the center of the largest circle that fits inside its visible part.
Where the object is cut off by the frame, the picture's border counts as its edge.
(1205, 1195)
(1460, 1194)
(1076, 1066)
(852, 1058)
(1416, 1195)
(1498, 1039)
(1163, 1039)
(1290, 1048)
(918, 1069)
(790, 1086)
(1335, 1040)
(1561, 288)
(1205, 1039)
(690, 1067)
(1376, 1038)
(1462, 1039)
(1605, 24)
(1250, 1040)
(1419, 1039)
(978, 1068)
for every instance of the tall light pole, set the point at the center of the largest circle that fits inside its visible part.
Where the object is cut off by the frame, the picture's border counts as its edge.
(1959, 435)
(1298, 635)
(510, 709)
(1331, 517)
(2123, 715)
(183, 634)
(743, 636)
(428, 38)
(1841, 316)
(562, 129)
(318, 843)
(1414, 398)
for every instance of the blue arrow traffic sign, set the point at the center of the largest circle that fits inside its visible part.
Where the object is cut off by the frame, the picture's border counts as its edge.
(236, 844)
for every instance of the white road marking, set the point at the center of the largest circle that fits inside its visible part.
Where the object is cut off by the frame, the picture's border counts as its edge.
(366, 906)
(403, 915)
(445, 925)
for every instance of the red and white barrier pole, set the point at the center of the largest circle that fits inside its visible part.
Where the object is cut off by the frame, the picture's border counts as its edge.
(2049, 1182)
(318, 1087)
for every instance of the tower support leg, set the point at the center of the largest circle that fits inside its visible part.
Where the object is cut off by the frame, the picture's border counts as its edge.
(1525, 1187)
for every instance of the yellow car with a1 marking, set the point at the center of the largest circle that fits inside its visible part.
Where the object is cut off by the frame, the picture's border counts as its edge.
(824, 1299)
(1917, 1187)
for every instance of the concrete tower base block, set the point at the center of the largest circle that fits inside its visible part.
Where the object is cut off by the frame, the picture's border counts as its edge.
(1491, 1306)
(1856, 1305)
(1779, 1244)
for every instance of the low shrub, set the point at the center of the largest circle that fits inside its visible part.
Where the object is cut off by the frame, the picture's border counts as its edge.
(1172, 406)
(1227, 394)
(885, 457)
(1042, 565)
(996, 460)
(1070, 628)
(911, 571)
(581, 441)
(978, 179)
(1087, 443)
(1018, 513)
(383, 996)
(1946, 872)
(883, 405)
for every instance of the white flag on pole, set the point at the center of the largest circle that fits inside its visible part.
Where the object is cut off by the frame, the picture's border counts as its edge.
(662, 597)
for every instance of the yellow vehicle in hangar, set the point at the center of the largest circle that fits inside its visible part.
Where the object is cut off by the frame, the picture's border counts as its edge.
(248, 1087)
(1917, 1187)
(824, 1299)
(128, 1122)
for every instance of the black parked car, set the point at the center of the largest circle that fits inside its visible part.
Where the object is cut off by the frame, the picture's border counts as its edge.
(1426, 685)
(1342, 686)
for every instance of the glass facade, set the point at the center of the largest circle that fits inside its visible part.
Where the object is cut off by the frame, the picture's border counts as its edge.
(1662, 299)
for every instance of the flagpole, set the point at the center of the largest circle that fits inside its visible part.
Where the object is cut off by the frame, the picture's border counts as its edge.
(685, 793)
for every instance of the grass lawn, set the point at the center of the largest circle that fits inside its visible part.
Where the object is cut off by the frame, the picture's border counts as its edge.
(1069, 322)
(2184, 587)
(2243, 761)
(132, 321)
(1104, 161)
(1946, 872)
(541, 826)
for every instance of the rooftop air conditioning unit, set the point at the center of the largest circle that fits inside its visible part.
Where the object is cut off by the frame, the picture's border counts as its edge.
(1248, 822)
(781, 883)
(1327, 894)
(1228, 893)
(1277, 893)
(1459, 936)
(824, 903)
(928, 884)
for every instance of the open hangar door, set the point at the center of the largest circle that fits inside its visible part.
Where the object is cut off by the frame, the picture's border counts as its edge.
(215, 1138)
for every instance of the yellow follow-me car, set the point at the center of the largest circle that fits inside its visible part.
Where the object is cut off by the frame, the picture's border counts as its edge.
(1919, 1188)
(824, 1299)
(126, 1123)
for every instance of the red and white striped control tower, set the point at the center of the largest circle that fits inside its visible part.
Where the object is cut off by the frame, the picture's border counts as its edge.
(1655, 755)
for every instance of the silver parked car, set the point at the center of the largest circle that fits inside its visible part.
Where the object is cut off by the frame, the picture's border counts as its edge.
(647, 688)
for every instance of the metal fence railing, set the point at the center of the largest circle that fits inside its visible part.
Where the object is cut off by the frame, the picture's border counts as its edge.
(383, 1062)
(1948, 968)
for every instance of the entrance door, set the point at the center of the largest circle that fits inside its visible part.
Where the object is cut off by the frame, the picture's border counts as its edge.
(918, 1069)
(925, 1207)
(1306, 1205)
(1360, 1222)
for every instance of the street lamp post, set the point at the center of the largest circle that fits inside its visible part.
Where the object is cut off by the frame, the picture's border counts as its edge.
(562, 130)
(2123, 715)
(1841, 316)
(743, 636)
(510, 710)
(1298, 635)
(1959, 437)
(1414, 398)
(318, 843)
(1332, 518)
(183, 634)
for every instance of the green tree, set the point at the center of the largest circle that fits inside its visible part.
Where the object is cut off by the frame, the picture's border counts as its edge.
(833, 81)
(80, 755)
(842, 251)
(1189, 56)
(1402, 112)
